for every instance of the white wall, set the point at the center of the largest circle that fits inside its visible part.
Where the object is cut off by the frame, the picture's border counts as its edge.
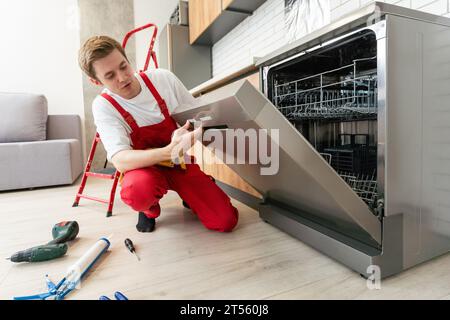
(256, 36)
(150, 11)
(439, 7)
(264, 32)
(39, 46)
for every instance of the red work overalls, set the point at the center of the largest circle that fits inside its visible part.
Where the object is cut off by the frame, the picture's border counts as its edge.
(143, 188)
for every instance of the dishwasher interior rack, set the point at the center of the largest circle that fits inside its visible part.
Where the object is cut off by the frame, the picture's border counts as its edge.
(355, 161)
(341, 93)
(365, 186)
(363, 183)
(359, 158)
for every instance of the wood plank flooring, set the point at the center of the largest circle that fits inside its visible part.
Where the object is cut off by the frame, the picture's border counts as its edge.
(183, 260)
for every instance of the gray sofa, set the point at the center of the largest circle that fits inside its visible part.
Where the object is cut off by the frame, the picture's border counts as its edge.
(37, 149)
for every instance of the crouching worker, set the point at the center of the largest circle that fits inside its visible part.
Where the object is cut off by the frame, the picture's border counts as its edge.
(133, 119)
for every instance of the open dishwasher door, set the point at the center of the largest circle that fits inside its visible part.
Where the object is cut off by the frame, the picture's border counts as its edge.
(305, 183)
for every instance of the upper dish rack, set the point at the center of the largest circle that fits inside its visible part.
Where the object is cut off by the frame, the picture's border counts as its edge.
(342, 93)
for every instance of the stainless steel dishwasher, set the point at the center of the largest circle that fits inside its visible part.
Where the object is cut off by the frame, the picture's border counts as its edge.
(363, 110)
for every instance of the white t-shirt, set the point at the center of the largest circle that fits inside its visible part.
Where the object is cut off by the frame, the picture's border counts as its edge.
(113, 129)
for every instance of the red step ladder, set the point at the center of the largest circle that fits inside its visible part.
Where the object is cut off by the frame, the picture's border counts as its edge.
(112, 174)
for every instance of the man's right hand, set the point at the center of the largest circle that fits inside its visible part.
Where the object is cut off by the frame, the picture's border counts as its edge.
(182, 141)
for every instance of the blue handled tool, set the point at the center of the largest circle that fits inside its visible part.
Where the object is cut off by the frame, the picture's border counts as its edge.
(118, 295)
(74, 276)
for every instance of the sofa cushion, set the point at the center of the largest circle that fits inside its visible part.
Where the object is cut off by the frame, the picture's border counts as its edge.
(23, 117)
(39, 163)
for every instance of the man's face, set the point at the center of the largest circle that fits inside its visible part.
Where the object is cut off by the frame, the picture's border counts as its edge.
(115, 73)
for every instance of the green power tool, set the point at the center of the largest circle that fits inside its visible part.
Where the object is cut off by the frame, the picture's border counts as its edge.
(61, 232)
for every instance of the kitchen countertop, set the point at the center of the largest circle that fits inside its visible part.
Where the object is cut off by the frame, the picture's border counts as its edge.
(221, 80)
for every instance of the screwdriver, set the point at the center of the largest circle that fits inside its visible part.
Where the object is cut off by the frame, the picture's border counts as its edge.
(130, 247)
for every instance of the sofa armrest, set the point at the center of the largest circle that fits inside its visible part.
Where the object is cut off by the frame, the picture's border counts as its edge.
(64, 127)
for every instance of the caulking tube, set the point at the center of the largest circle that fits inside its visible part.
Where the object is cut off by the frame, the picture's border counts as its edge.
(79, 269)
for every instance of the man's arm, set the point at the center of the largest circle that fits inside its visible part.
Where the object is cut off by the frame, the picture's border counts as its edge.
(117, 142)
(127, 160)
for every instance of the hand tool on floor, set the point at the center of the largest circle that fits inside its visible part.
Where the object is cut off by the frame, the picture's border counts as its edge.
(130, 247)
(61, 232)
(118, 295)
(76, 272)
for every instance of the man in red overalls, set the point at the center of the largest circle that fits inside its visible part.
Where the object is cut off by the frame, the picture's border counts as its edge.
(133, 119)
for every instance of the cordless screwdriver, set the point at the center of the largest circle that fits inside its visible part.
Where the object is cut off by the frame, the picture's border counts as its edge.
(61, 232)
(64, 231)
(40, 253)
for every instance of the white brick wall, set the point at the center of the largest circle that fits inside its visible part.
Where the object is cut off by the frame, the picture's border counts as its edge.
(264, 32)
(257, 35)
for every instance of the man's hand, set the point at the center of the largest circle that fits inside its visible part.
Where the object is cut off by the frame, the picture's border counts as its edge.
(182, 141)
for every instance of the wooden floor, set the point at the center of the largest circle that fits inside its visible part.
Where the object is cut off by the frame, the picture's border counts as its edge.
(183, 260)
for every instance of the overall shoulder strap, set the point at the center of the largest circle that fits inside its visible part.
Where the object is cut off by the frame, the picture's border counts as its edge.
(125, 114)
(161, 103)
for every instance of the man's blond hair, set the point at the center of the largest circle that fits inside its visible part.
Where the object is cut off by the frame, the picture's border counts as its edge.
(96, 48)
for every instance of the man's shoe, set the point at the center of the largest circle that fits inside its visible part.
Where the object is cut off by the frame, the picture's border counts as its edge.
(145, 224)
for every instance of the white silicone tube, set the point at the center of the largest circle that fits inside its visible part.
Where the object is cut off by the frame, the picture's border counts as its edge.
(82, 265)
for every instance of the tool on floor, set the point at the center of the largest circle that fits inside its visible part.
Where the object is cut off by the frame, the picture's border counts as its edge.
(118, 295)
(40, 253)
(73, 277)
(61, 232)
(130, 247)
(64, 231)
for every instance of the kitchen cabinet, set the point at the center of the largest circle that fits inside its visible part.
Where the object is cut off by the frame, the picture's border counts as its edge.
(226, 4)
(210, 20)
(202, 13)
(242, 5)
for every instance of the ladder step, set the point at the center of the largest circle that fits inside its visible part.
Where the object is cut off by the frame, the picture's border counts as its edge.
(100, 175)
(105, 170)
(93, 198)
